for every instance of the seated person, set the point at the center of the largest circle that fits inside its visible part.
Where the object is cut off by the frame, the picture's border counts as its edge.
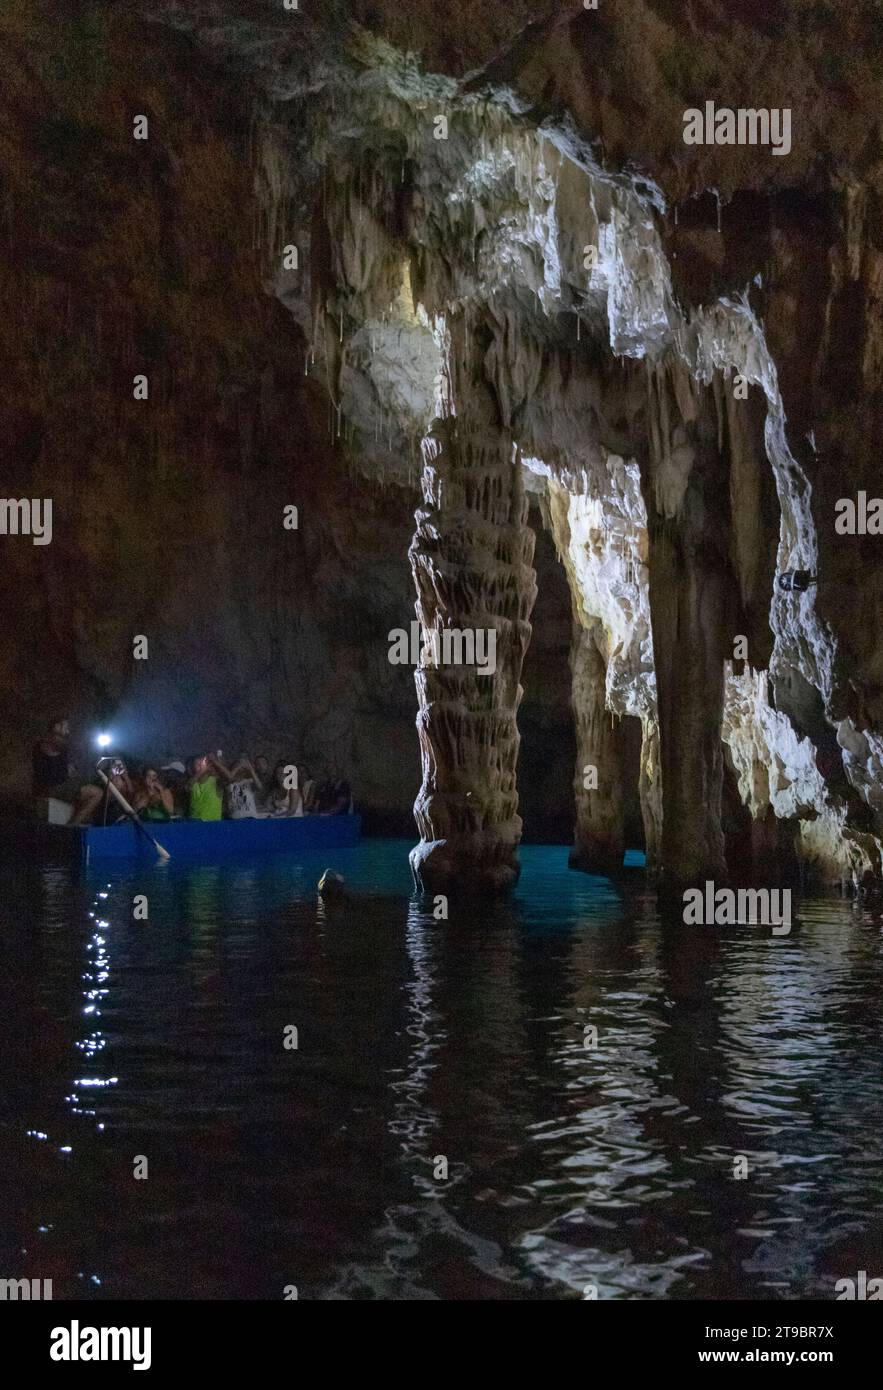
(246, 789)
(319, 794)
(151, 799)
(285, 799)
(53, 774)
(334, 797)
(173, 775)
(108, 810)
(208, 775)
(307, 786)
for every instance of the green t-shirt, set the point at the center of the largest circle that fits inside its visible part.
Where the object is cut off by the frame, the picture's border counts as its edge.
(206, 801)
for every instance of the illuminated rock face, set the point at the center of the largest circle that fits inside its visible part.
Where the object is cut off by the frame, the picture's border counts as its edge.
(598, 522)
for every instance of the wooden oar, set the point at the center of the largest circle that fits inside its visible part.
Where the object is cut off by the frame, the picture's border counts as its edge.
(133, 815)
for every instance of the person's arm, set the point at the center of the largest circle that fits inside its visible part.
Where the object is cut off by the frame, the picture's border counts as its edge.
(167, 800)
(219, 767)
(243, 766)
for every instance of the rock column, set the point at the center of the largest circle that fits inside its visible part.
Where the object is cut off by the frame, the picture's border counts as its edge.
(599, 834)
(471, 558)
(687, 498)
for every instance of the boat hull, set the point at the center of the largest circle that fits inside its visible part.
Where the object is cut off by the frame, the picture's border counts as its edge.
(187, 839)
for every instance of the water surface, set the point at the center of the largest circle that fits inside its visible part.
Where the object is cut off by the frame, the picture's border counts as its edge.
(420, 1041)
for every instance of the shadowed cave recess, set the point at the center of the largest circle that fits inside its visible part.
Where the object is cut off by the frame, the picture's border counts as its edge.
(484, 281)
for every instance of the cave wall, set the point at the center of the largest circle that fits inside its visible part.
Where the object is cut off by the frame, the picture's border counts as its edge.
(168, 513)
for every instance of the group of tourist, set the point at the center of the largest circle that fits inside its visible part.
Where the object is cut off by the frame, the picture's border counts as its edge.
(204, 788)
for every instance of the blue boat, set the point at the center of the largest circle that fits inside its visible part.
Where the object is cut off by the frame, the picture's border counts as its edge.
(185, 839)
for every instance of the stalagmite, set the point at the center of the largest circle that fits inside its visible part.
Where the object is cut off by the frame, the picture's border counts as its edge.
(471, 558)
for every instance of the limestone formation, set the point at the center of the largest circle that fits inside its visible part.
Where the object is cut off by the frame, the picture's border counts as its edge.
(599, 832)
(471, 560)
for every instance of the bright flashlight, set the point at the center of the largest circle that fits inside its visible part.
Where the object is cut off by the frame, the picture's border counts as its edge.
(104, 740)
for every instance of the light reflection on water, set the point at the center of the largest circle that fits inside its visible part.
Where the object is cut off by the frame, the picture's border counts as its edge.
(421, 1041)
